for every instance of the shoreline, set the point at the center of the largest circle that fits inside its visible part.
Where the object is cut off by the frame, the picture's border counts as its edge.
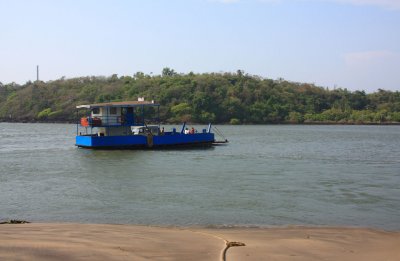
(74, 241)
(316, 123)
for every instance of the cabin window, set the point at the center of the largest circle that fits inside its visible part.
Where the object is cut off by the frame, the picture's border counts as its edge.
(96, 111)
(113, 110)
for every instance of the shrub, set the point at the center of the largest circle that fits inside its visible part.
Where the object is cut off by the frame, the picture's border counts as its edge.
(234, 121)
(44, 114)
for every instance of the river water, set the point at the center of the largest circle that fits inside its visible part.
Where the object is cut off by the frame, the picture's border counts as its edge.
(268, 175)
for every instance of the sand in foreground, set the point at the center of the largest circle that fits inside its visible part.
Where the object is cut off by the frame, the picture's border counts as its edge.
(127, 242)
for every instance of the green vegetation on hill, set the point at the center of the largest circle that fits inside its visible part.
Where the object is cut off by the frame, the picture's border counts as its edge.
(235, 98)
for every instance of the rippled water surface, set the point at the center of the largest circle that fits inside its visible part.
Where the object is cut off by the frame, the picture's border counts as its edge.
(267, 175)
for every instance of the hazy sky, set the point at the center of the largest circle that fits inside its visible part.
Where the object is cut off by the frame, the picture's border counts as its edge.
(352, 44)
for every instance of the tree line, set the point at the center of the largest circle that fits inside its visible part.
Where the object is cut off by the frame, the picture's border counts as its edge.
(233, 98)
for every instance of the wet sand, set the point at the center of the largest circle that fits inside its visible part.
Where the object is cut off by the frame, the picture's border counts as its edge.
(40, 241)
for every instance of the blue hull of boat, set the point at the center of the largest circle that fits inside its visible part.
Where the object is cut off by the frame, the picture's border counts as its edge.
(139, 141)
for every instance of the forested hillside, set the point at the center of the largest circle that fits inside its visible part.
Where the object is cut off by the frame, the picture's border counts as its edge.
(235, 98)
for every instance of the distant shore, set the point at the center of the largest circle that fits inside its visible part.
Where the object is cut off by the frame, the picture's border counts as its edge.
(244, 124)
(70, 241)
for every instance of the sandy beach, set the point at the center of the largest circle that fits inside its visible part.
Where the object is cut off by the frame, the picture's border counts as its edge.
(52, 241)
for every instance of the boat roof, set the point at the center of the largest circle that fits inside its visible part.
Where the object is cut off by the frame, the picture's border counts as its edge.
(118, 104)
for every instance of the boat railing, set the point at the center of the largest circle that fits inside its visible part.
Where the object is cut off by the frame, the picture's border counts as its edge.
(102, 121)
(113, 121)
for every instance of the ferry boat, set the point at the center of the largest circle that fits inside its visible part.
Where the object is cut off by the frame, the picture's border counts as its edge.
(119, 125)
